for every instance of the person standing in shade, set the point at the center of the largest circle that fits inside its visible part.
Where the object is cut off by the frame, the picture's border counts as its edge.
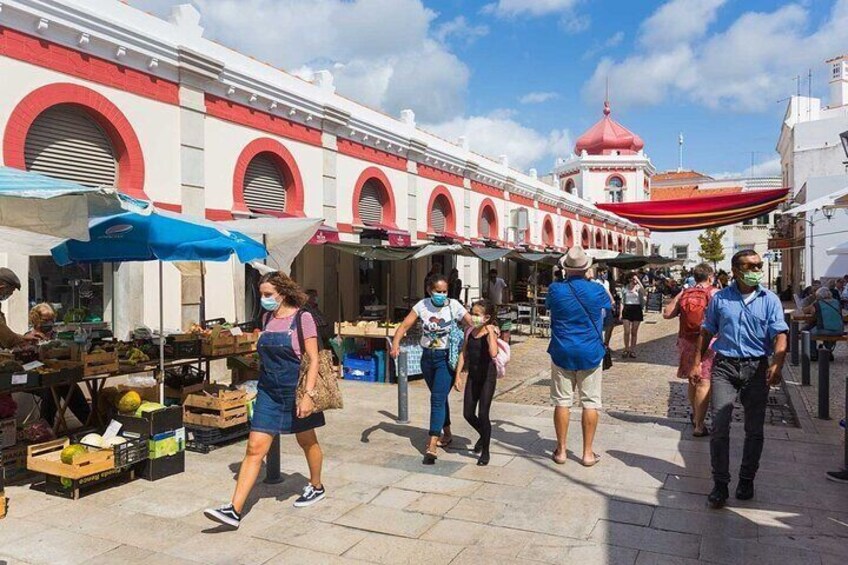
(454, 285)
(748, 320)
(9, 283)
(438, 315)
(496, 289)
(576, 306)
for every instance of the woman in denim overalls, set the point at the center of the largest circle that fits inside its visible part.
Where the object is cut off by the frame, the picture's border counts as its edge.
(276, 410)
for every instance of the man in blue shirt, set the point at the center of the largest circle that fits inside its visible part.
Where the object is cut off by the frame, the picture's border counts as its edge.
(748, 320)
(576, 306)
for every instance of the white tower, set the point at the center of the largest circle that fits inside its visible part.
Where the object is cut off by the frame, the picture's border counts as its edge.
(838, 81)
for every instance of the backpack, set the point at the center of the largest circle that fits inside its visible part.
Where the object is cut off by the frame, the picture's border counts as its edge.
(502, 358)
(693, 306)
(829, 316)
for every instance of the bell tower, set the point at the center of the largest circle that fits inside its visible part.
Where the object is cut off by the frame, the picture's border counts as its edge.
(838, 81)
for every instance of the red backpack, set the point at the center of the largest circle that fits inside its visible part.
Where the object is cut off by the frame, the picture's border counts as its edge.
(693, 306)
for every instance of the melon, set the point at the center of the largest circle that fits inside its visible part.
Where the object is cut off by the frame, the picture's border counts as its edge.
(70, 452)
(129, 402)
(113, 441)
(93, 440)
(148, 407)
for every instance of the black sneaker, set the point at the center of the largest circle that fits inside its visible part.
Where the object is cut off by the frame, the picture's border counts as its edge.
(718, 496)
(478, 447)
(838, 476)
(745, 489)
(224, 515)
(484, 459)
(310, 496)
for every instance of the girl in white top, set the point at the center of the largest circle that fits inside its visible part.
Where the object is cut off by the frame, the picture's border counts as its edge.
(633, 298)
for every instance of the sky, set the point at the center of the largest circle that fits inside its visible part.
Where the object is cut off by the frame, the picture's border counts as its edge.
(525, 78)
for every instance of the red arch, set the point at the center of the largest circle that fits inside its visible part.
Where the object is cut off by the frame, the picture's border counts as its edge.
(585, 238)
(487, 204)
(121, 134)
(621, 244)
(599, 239)
(548, 238)
(568, 240)
(450, 218)
(287, 165)
(610, 242)
(569, 186)
(619, 176)
(373, 173)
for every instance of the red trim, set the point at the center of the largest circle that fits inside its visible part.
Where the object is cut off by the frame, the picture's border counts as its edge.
(486, 189)
(218, 215)
(487, 204)
(610, 241)
(287, 165)
(585, 237)
(548, 208)
(439, 175)
(619, 177)
(522, 200)
(450, 219)
(548, 237)
(388, 208)
(568, 238)
(599, 239)
(115, 124)
(251, 117)
(366, 153)
(345, 228)
(178, 208)
(43, 53)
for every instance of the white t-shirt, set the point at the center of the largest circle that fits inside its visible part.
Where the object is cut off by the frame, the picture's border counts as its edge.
(436, 322)
(748, 298)
(632, 297)
(495, 290)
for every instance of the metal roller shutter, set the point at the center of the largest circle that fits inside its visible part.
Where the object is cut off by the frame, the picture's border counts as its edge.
(264, 186)
(371, 203)
(64, 142)
(486, 224)
(438, 215)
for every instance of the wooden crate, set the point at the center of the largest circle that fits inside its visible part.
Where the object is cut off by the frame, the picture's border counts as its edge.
(218, 345)
(45, 458)
(183, 392)
(246, 343)
(216, 408)
(99, 363)
(2, 505)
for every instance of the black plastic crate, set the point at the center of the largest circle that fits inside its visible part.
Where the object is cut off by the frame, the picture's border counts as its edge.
(185, 376)
(203, 440)
(133, 451)
(182, 349)
(153, 423)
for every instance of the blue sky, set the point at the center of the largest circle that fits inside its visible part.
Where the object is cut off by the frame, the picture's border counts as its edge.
(526, 77)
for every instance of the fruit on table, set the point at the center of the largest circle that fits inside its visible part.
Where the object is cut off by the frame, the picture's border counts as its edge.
(70, 452)
(93, 440)
(136, 356)
(129, 402)
(148, 407)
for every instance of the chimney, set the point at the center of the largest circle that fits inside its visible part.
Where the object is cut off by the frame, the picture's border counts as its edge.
(838, 81)
(408, 117)
(534, 174)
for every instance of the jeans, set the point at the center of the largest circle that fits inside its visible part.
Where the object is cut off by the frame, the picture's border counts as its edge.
(439, 379)
(747, 378)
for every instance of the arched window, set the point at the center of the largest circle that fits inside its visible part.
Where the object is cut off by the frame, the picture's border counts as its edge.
(585, 238)
(65, 142)
(569, 235)
(569, 186)
(439, 214)
(371, 202)
(548, 233)
(615, 189)
(265, 185)
(621, 244)
(599, 240)
(488, 228)
(610, 243)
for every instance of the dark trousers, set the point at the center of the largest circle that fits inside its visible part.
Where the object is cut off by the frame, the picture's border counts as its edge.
(439, 379)
(479, 392)
(747, 379)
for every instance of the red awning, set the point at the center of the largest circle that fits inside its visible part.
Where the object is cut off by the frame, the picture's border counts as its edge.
(325, 234)
(395, 236)
(699, 213)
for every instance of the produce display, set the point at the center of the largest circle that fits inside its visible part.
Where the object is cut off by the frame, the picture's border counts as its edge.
(129, 402)
(68, 454)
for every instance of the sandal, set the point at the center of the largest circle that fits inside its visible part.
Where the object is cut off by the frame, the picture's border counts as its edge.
(429, 458)
(632, 355)
(705, 433)
(443, 444)
(593, 463)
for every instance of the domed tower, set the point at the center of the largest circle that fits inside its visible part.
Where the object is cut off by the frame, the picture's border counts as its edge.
(608, 164)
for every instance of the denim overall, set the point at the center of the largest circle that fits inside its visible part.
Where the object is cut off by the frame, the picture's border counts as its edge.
(276, 406)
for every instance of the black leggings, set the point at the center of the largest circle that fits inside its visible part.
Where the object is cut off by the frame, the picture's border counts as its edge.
(479, 392)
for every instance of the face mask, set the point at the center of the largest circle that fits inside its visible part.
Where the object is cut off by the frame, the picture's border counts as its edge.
(46, 328)
(269, 303)
(752, 278)
(439, 298)
(478, 321)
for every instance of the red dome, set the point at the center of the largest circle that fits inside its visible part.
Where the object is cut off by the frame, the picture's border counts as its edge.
(608, 136)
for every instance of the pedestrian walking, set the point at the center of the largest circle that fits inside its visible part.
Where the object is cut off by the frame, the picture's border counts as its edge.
(476, 374)
(496, 288)
(577, 350)
(690, 306)
(440, 317)
(633, 298)
(277, 411)
(748, 320)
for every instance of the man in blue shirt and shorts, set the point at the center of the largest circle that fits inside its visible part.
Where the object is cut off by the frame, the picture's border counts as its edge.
(748, 320)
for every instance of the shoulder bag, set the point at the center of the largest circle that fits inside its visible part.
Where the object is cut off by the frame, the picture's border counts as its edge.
(328, 396)
(607, 363)
(455, 339)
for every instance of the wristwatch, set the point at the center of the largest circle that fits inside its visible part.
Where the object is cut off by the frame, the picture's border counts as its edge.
(311, 393)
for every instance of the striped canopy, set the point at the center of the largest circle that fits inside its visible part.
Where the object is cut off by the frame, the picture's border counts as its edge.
(699, 213)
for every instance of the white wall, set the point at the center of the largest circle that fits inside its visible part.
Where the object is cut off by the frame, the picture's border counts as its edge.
(667, 240)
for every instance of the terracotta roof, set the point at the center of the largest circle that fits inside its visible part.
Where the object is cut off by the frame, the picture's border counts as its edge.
(690, 191)
(607, 136)
(678, 176)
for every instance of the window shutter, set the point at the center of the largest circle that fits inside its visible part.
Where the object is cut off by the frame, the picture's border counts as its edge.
(371, 204)
(485, 224)
(438, 215)
(66, 143)
(264, 186)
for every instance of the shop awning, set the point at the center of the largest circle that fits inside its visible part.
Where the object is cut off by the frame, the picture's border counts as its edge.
(284, 237)
(630, 261)
(325, 234)
(699, 213)
(826, 201)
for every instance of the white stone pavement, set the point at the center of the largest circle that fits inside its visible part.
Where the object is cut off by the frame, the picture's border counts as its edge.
(644, 503)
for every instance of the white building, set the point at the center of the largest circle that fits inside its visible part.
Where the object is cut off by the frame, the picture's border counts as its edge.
(103, 93)
(813, 165)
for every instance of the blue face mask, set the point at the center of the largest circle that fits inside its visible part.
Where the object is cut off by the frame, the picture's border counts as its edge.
(439, 298)
(269, 303)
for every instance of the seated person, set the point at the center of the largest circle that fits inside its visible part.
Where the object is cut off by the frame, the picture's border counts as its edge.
(42, 317)
(829, 319)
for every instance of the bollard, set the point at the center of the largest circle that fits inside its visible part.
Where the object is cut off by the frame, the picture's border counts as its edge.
(402, 388)
(805, 358)
(793, 344)
(272, 463)
(824, 384)
(787, 318)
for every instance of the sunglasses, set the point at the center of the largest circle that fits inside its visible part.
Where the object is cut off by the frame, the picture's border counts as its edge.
(753, 266)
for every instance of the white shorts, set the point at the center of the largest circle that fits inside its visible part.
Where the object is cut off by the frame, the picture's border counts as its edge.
(565, 382)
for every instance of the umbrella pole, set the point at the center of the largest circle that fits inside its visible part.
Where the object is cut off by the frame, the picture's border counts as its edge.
(161, 337)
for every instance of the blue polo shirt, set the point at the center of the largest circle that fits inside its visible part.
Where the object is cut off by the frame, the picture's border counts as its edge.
(744, 330)
(576, 342)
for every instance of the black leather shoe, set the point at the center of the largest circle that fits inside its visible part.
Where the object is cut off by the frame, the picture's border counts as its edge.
(745, 489)
(718, 496)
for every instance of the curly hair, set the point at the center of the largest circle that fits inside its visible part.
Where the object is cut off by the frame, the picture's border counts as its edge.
(286, 287)
(40, 313)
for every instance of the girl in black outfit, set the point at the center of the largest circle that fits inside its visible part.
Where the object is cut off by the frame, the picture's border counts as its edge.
(475, 360)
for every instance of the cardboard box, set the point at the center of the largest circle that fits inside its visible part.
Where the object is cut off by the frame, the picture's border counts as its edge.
(167, 444)
(155, 469)
(153, 423)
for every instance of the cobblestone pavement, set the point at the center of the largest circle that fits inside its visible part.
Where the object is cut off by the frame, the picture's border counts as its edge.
(646, 386)
(643, 504)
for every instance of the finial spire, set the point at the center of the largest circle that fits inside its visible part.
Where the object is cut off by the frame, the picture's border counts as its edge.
(606, 100)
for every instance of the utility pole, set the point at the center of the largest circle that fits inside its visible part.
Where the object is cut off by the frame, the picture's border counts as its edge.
(680, 151)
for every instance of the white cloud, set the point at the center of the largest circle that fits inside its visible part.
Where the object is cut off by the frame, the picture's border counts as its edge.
(500, 134)
(514, 8)
(460, 29)
(612, 41)
(745, 67)
(385, 53)
(538, 97)
(769, 168)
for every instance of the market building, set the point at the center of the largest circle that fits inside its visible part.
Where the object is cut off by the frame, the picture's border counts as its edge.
(105, 94)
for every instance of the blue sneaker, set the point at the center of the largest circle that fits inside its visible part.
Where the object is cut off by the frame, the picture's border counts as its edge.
(310, 496)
